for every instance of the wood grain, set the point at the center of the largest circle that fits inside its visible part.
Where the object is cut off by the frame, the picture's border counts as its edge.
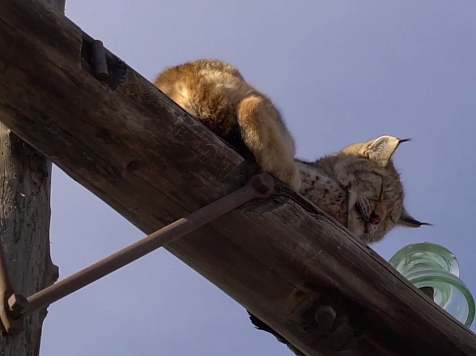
(135, 149)
(24, 229)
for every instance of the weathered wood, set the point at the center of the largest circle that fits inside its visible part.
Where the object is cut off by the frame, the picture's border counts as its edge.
(56, 4)
(139, 152)
(24, 228)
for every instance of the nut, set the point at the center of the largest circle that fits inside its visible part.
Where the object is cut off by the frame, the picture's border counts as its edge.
(17, 304)
(263, 184)
(325, 316)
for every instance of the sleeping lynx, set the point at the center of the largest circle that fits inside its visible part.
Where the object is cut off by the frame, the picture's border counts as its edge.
(357, 186)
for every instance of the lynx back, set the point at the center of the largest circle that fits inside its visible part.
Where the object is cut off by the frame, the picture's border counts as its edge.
(215, 93)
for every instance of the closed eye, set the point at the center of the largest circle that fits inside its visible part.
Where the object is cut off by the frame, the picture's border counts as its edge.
(391, 218)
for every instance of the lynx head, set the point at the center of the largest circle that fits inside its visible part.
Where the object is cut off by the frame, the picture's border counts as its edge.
(379, 204)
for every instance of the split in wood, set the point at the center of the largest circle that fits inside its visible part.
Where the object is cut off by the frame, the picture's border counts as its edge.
(259, 186)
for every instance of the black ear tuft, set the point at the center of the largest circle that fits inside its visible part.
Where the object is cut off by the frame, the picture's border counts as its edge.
(408, 221)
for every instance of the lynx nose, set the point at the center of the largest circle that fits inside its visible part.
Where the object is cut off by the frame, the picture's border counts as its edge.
(374, 219)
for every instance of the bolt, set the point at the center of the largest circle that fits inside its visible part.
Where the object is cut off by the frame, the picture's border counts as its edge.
(17, 304)
(99, 61)
(325, 316)
(429, 291)
(263, 184)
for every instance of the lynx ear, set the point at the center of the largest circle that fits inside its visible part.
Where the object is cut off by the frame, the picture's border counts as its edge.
(408, 221)
(381, 149)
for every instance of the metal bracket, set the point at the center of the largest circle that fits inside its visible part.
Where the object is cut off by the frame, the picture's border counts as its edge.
(99, 61)
(11, 323)
(15, 306)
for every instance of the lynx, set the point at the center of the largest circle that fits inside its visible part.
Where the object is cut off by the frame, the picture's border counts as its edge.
(358, 186)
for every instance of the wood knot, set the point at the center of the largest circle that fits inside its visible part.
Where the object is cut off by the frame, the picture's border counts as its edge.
(132, 166)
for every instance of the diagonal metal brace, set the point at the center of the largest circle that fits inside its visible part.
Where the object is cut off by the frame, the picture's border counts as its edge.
(259, 186)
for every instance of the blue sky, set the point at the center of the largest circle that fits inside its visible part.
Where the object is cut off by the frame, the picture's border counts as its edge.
(341, 72)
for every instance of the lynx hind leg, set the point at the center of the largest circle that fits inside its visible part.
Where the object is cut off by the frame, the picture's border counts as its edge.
(263, 135)
(200, 98)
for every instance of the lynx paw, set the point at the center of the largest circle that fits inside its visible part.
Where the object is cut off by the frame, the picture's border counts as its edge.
(364, 207)
(295, 179)
(289, 175)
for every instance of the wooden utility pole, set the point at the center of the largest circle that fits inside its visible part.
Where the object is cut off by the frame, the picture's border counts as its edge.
(282, 258)
(25, 181)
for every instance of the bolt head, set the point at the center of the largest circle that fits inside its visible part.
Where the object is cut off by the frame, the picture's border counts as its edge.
(325, 316)
(17, 304)
(263, 184)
